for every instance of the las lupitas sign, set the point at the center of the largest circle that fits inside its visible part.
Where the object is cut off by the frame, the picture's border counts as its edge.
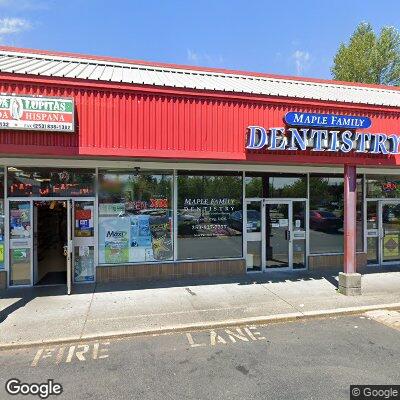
(322, 132)
(36, 113)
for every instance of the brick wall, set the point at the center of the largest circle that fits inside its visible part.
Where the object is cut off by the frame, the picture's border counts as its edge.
(140, 272)
(333, 261)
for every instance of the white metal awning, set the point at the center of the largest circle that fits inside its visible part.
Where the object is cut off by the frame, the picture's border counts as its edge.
(88, 69)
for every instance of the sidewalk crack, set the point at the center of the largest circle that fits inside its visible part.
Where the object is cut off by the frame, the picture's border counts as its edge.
(284, 300)
(88, 311)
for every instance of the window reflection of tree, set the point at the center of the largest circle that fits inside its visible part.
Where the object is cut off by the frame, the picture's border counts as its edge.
(200, 223)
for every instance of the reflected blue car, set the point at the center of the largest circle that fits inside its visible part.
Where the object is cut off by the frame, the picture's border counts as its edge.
(235, 220)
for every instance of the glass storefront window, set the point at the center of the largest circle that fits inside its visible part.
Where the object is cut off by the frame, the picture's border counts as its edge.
(326, 218)
(383, 186)
(20, 243)
(326, 214)
(276, 185)
(359, 215)
(210, 218)
(83, 237)
(391, 232)
(299, 234)
(254, 186)
(47, 182)
(254, 235)
(373, 232)
(135, 216)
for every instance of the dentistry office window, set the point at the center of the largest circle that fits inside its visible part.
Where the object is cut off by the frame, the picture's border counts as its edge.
(210, 217)
(326, 217)
(275, 185)
(326, 214)
(135, 216)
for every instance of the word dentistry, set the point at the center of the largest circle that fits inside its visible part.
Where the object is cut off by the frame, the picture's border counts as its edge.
(321, 140)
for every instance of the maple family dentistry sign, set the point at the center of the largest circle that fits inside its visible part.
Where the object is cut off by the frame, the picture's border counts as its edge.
(323, 132)
(36, 113)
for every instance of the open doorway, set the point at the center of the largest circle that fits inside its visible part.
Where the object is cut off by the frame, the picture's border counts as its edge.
(50, 239)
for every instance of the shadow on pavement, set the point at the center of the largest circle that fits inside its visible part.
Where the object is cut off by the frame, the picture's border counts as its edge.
(25, 295)
(249, 279)
(14, 307)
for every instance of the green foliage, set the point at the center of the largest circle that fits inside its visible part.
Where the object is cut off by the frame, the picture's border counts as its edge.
(369, 58)
(207, 187)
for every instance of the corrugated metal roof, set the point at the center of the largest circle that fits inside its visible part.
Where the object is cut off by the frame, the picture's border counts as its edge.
(91, 69)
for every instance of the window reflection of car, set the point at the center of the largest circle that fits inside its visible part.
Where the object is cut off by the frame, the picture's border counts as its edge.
(325, 221)
(235, 220)
(186, 223)
(185, 217)
(156, 216)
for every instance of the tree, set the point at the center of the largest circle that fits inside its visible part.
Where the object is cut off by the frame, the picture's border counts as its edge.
(369, 58)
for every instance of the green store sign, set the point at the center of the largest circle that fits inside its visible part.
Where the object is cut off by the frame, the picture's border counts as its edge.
(36, 113)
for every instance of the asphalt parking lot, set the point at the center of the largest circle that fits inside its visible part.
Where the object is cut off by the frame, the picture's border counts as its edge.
(315, 359)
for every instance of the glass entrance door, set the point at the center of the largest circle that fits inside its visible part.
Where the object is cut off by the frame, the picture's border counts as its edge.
(83, 241)
(373, 232)
(20, 244)
(390, 232)
(275, 234)
(58, 241)
(299, 239)
(254, 235)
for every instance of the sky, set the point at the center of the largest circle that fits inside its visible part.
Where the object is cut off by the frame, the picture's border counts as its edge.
(284, 37)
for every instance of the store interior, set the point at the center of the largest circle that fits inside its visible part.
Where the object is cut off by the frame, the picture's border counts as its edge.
(51, 237)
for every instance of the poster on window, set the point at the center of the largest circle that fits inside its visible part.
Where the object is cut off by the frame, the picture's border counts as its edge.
(2, 255)
(114, 236)
(84, 264)
(141, 243)
(391, 245)
(134, 238)
(20, 225)
(112, 209)
(84, 220)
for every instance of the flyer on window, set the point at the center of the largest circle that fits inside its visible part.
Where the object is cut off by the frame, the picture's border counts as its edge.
(114, 234)
(141, 239)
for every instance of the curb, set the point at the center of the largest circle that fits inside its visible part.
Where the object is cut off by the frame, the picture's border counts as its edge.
(201, 326)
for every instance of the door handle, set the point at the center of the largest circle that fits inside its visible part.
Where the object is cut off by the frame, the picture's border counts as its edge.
(65, 248)
(287, 234)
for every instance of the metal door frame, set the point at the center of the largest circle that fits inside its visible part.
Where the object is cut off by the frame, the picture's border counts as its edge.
(289, 229)
(74, 200)
(244, 229)
(381, 204)
(372, 232)
(70, 263)
(8, 239)
(264, 202)
(70, 222)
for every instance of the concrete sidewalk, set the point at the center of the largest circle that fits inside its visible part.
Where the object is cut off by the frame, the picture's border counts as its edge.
(47, 314)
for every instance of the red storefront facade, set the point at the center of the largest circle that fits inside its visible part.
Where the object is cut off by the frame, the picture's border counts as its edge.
(137, 117)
